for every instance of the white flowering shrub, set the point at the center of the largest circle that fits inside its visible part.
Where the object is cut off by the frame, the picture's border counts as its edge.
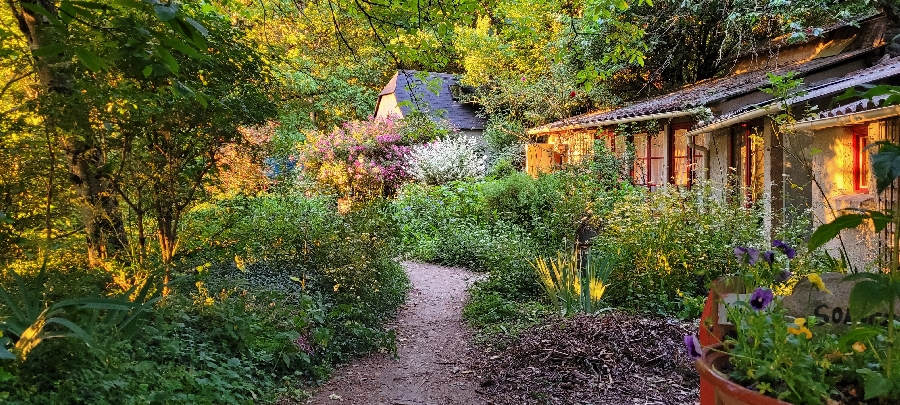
(449, 159)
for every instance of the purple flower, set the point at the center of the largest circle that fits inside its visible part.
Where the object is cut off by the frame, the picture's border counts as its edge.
(769, 257)
(785, 275)
(784, 248)
(746, 255)
(694, 350)
(761, 298)
(302, 343)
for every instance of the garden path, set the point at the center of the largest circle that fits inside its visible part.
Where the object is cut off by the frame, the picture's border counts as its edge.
(432, 346)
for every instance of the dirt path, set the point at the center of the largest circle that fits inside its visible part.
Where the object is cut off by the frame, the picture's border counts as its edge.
(432, 345)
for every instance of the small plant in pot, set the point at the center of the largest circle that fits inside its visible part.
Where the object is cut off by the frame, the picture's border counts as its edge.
(774, 358)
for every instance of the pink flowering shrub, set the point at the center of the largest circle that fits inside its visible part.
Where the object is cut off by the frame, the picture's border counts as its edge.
(361, 159)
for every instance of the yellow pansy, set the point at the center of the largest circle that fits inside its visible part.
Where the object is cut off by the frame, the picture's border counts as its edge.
(816, 280)
(801, 328)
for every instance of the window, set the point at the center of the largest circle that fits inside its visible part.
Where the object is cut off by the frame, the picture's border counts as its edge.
(698, 169)
(616, 144)
(688, 163)
(649, 161)
(747, 161)
(860, 159)
(681, 157)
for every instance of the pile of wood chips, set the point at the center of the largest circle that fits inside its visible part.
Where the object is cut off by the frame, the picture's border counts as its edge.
(611, 358)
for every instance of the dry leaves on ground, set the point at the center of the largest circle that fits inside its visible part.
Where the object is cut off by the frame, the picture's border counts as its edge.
(612, 358)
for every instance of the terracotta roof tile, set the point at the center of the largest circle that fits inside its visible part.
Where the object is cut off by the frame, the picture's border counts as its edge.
(696, 95)
(829, 87)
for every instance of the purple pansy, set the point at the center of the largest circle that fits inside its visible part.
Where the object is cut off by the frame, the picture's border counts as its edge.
(694, 350)
(761, 298)
(784, 248)
(746, 255)
(769, 257)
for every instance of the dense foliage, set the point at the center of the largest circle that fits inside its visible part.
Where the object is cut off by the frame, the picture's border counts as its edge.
(262, 314)
(362, 159)
(179, 162)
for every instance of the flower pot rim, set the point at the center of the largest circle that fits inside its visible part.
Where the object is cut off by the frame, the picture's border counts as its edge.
(706, 368)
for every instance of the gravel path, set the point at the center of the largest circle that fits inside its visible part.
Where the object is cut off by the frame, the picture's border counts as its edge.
(432, 346)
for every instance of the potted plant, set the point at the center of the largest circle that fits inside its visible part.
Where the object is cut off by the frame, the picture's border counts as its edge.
(775, 359)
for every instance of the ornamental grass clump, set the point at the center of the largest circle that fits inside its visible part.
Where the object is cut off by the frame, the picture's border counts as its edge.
(574, 284)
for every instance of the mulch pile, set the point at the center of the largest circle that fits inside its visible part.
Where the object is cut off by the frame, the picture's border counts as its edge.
(612, 358)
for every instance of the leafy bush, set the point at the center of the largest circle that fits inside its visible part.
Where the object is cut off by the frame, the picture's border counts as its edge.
(670, 243)
(446, 160)
(306, 245)
(448, 225)
(362, 159)
(32, 321)
(420, 126)
(506, 148)
(197, 350)
(286, 289)
(550, 208)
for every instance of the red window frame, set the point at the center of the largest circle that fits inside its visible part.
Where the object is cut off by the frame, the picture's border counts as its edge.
(861, 164)
(690, 156)
(647, 160)
(743, 156)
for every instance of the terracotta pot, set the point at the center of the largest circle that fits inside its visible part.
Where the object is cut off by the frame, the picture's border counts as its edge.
(725, 392)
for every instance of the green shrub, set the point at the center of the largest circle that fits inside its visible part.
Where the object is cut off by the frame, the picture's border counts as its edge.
(272, 292)
(670, 244)
(229, 349)
(281, 238)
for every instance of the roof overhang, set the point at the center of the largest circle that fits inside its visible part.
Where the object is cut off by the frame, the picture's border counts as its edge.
(737, 119)
(888, 69)
(600, 124)
(848, 119)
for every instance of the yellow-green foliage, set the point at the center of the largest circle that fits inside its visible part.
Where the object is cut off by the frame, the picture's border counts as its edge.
(570, 287)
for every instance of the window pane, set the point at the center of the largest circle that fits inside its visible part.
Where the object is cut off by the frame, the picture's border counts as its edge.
(861, 160)
(658, 148)
(699, 165)
(640, 145)
(656, 171)
(640, 161)
(681, 160)
(756, 167)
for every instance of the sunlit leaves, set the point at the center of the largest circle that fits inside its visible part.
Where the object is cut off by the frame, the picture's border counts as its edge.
(829, 231)
(886, 164)
(92, 61)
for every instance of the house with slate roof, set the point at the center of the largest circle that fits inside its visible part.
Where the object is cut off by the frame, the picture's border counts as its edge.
(721, 130)
(439, 95)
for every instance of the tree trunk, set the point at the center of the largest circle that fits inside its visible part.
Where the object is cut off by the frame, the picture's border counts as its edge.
(168, 238)
(103, 223)
(99, 209)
